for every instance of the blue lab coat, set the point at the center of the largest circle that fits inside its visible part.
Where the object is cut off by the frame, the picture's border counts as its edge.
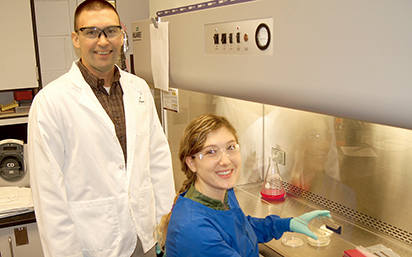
(197, 230)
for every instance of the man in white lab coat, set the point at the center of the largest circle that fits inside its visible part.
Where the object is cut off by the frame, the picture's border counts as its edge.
(99, 161)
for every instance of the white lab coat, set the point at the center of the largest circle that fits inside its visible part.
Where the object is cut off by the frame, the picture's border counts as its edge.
(86, 202)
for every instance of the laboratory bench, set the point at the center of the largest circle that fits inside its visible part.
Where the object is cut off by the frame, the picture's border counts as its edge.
(16, 220)
(19, 236)
(352, 235)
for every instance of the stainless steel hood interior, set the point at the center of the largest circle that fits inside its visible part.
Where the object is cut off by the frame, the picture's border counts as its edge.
(350, 58)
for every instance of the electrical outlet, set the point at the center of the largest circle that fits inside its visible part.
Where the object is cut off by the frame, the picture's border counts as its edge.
(279, 155)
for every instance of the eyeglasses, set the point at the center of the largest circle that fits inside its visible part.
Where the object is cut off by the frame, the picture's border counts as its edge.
(213, 154)
(93, 32)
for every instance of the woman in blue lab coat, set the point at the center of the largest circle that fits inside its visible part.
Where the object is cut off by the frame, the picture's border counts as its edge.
(206, 219)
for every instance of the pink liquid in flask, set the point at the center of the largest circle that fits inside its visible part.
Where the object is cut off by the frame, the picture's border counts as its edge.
(272, 194)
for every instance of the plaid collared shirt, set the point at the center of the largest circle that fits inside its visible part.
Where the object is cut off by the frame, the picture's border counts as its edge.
(112, 103)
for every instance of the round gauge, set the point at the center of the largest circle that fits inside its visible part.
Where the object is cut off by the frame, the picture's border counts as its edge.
(12, 167)
(262, 36)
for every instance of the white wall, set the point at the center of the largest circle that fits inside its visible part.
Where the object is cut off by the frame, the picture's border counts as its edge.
(129, 12)
(54, 25)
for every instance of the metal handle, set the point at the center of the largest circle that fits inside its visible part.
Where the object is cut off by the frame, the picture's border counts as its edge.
(11, 247)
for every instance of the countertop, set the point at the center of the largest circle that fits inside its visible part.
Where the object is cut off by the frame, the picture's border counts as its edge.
(352, 234)
(18, 220)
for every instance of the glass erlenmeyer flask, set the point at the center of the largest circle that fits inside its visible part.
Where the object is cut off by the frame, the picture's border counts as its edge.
(272, 187)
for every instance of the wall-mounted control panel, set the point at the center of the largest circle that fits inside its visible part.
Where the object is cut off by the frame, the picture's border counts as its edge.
(248, 37)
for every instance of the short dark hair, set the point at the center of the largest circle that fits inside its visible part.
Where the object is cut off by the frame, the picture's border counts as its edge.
(92, 5)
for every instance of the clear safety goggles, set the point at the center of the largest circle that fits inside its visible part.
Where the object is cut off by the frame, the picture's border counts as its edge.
(94, 33)
(214, 154)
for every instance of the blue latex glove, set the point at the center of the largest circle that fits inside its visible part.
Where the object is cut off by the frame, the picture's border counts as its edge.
(300, 224)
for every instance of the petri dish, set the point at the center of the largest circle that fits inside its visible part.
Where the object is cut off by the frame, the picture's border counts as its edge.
(292, 241)
(323, 235)
(321, 242)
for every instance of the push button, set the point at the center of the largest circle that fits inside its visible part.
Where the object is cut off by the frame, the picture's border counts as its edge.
(216, 38)
(223, 38)
(246, 37)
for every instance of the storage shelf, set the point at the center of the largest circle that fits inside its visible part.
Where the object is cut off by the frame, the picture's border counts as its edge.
(13, 118)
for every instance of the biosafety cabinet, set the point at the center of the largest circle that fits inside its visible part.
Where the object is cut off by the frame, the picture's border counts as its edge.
(326, 83)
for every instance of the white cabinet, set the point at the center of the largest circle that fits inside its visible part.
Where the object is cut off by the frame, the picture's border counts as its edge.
(20, 241)
(18, 65)
(17, 49)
